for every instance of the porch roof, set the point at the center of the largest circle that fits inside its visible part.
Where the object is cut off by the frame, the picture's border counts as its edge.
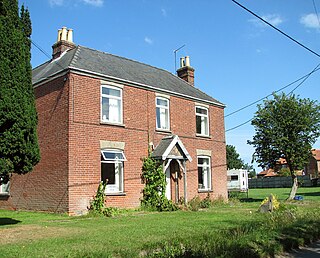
(171, 147)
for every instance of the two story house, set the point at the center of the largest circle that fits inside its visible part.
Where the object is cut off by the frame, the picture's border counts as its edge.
(99, 114)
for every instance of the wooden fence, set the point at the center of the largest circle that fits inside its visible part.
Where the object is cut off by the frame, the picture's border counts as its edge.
(279, 182)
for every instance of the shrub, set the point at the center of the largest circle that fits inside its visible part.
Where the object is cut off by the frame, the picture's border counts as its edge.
(155, 186)
(97, 204)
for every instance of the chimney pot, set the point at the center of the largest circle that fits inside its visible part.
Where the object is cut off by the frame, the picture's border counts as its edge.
(64, 42)
(182, 62)
(70, 35)
(186, 72)
(187, 62)
(64, 33)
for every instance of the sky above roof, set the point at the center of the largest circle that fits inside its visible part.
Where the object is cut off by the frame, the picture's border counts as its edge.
(237, 59)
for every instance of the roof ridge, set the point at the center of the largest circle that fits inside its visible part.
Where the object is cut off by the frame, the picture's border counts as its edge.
(74, 58)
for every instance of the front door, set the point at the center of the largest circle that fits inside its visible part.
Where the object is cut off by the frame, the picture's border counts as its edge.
(168, 181)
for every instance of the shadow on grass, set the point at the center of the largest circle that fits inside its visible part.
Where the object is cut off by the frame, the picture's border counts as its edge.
(310, 194)
(8, 221)
(251, 200)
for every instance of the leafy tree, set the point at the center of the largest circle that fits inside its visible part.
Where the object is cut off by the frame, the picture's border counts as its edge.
(251, 171)
(286, 127)
(233, 158)
(19, 150)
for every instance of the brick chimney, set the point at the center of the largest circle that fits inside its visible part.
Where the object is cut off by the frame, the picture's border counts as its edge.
(64, 42)
(186, 72)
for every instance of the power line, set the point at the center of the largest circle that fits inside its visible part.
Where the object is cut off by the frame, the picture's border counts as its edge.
(40, 49)
(315, 9)
(274, 27)
(317, 68)
(304, 79)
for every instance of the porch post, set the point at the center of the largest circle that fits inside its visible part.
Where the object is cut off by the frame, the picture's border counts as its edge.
(185, 182)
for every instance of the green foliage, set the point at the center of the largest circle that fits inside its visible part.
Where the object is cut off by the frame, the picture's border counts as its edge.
(196, 203)
(111, 211)
(97, 204)
(233, 158)
(251, 171)
(287, 127)
(284, 172)
(155, 186)
(19, 150)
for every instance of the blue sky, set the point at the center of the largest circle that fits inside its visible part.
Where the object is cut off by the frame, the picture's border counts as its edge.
(237, 59)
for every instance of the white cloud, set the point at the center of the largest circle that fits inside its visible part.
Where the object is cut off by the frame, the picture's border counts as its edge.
(148, 40)
(55, 2)
(164, 12)
(274, 19)
(310, 21)
(97, 3)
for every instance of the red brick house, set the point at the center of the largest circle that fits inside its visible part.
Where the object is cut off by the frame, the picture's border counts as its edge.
(99, 114)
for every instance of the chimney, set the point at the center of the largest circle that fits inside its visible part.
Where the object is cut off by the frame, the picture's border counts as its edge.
(64, 42)
(186, 72)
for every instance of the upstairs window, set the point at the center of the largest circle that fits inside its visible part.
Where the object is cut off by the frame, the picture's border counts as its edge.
(162, 113)
(202, 121)
(111, 104)
(204, 173)
(112, 170)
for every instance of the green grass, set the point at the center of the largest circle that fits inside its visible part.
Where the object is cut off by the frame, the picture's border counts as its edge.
(31, 234)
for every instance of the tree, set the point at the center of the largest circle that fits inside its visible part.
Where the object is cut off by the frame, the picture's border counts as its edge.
(251, 171)
(19, 150)
(233, 158)
(286, 127)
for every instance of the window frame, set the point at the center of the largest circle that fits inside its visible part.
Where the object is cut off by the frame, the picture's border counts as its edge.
(205, 116)
(102, 95)
(165, 107)
(209, 175)
(114, 188)
(4, 187)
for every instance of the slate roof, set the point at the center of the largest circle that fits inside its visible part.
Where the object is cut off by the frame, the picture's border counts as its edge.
(166, 144)
(101, 64)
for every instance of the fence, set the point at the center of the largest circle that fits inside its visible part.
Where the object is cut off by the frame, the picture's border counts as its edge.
(279, 182)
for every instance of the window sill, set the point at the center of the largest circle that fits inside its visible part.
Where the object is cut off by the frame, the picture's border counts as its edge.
(113, 124)
(4, 195)
(205, 191)
(115, 194)
(163, 131)
(203, 136)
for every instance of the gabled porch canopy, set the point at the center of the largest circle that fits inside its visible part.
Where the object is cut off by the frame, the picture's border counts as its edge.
(171, 148)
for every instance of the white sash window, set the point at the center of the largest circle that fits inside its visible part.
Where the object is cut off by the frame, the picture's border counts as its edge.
(202, 121)
(111, 104)
(204, 173)
(162, 113)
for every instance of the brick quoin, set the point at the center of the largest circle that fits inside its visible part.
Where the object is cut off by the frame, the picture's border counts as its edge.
(70, 131)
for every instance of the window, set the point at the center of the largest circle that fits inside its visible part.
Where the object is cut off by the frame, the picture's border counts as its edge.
(4, 188)
(202, 121)
(112, 170)
(162, 112)
(234, 178)
(204, 174)
(111, 104)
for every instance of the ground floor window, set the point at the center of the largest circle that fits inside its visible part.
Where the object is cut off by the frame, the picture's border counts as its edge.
(204, 173)
(4, 188)
(112, 163)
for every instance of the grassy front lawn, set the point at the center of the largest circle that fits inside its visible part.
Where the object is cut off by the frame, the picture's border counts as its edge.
(134, 233)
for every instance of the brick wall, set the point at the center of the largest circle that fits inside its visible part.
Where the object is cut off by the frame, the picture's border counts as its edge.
(70, 132)
(46, 188)
(139, 119)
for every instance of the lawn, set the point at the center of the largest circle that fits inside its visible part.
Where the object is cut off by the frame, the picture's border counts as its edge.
(31, 234)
